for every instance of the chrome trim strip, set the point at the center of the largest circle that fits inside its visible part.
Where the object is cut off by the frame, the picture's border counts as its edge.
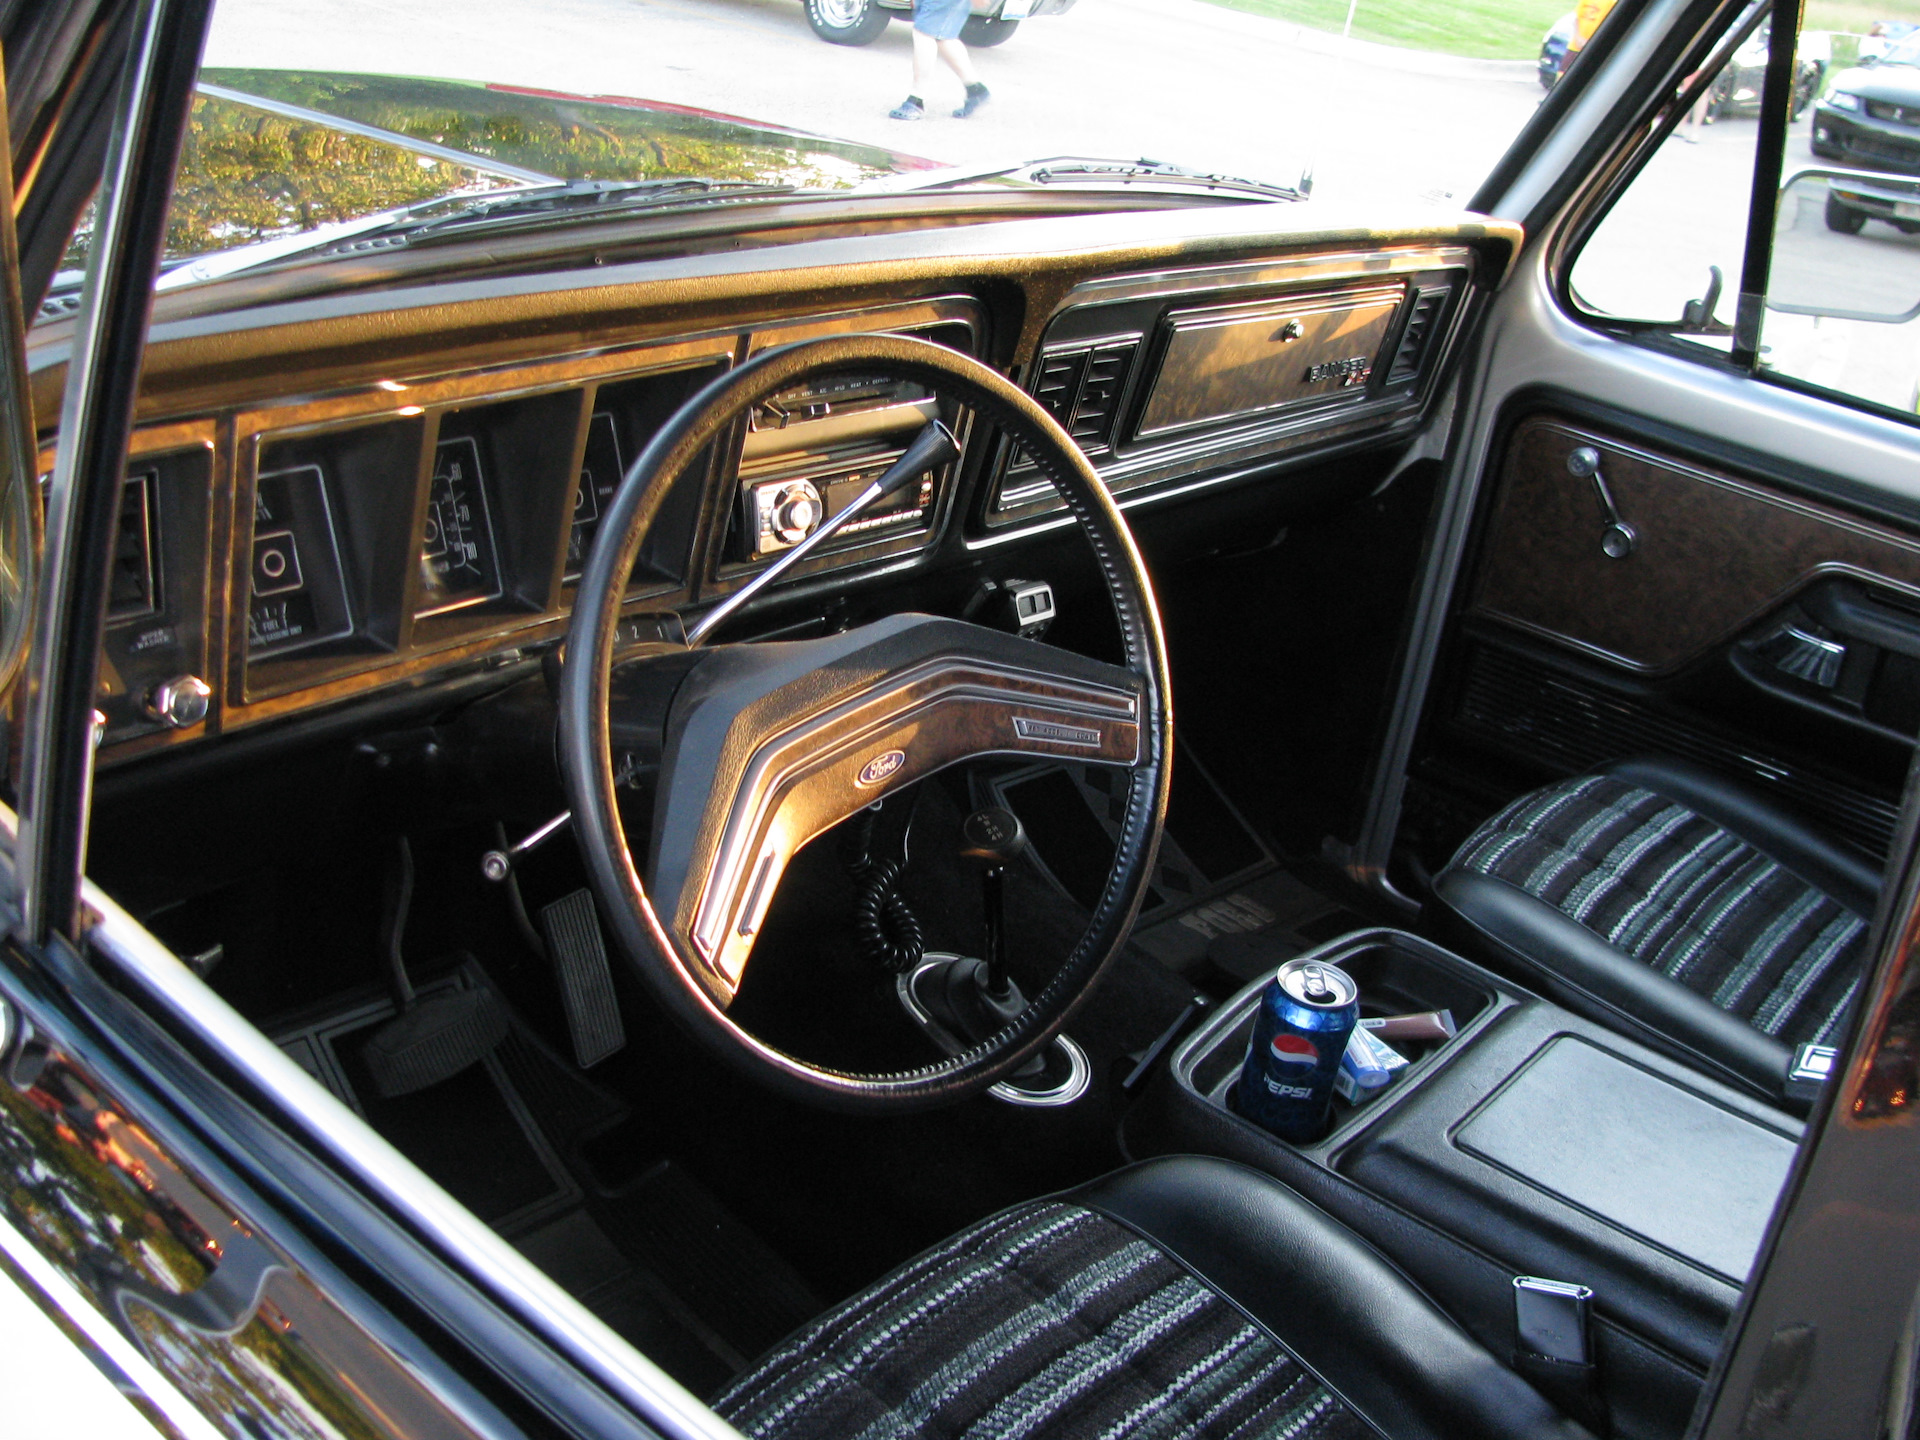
(427, 148)
(489, 1262)
(135, 1369)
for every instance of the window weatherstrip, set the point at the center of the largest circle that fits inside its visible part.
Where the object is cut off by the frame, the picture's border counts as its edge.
(1769, 160)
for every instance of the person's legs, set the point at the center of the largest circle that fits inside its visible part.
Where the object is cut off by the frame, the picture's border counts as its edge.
(954, 52)
(926, 61)
(927, 53)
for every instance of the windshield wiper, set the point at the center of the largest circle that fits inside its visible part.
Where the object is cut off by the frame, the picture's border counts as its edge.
(1083, 170)
(1153, 172)
(452, 217)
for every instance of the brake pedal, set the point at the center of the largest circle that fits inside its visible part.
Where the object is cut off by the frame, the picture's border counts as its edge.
(427, 1041)
(579, 955)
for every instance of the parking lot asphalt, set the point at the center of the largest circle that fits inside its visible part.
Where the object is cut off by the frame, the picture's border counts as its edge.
(1178, 80)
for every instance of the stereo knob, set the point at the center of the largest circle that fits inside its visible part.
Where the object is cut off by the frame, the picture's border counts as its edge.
(179, 702)
(795, 513)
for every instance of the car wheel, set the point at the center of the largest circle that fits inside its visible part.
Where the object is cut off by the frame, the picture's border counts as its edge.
(846, 22)
(1907, 227)
(984, 32)
(1844, 218)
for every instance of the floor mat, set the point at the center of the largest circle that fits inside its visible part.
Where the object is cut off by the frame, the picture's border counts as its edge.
(551, 1161)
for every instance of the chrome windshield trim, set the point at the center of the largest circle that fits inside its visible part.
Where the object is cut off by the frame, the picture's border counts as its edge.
(493, 1265)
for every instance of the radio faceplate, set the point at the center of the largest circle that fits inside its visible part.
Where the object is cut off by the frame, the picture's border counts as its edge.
(807, 454)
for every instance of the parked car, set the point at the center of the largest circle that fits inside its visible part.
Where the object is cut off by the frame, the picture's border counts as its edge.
(594, 844)
(1553, 51)
(860, 22)
(1870, 114)
(1736, 90)
(1853, 201)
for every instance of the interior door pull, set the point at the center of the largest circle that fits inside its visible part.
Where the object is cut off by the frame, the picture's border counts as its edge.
(1619, 538)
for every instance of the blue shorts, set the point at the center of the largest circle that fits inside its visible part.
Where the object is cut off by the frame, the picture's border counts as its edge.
(942, 19)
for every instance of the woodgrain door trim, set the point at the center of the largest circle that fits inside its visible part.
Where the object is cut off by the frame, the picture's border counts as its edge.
(1713, 553)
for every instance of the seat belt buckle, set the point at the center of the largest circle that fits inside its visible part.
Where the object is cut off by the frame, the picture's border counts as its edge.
(1812, 1067)
(1552, 1321)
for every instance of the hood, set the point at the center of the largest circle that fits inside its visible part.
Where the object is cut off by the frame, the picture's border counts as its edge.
(1895, 84)
(276, 158)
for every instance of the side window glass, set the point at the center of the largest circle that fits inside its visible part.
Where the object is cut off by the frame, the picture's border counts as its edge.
(1843, 301)
(1842, 289)
(1672, 242)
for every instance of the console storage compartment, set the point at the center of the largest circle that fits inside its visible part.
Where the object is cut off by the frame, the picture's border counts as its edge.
(1532, 1143)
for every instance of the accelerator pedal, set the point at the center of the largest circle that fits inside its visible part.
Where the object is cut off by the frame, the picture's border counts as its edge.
(579, 955)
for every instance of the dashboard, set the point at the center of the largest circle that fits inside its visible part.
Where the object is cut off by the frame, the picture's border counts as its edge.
(377, 493)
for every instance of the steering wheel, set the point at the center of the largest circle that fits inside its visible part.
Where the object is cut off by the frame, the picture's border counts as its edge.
(767, 745)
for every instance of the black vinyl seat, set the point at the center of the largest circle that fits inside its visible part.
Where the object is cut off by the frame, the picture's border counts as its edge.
(1677, 906)
(1181, 1297)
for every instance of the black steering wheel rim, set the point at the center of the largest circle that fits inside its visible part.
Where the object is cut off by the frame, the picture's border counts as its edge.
(586, 741)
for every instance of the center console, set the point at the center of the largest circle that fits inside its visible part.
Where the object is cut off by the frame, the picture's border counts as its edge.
(1531, 1143)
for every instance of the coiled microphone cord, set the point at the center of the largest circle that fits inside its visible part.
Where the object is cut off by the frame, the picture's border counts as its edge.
(884, 925)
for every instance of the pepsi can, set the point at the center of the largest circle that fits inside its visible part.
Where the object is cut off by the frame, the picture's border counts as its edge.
(1307, 1012)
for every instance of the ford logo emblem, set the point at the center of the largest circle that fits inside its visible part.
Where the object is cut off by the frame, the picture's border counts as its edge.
(881, 767)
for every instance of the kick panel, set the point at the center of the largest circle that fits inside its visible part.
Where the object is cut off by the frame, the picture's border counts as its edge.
(1649, 563)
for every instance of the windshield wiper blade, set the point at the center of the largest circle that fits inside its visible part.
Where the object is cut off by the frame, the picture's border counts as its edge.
(579, 198)
(1155, 172)
(1086, 170)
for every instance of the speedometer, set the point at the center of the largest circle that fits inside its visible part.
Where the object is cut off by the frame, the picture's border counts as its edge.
(459, 565)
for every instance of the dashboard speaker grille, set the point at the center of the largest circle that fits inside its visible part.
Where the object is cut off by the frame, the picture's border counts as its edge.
(1413, 340)
(1554, 720)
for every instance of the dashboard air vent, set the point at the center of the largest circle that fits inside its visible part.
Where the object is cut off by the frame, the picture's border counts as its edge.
(1097, 410)
(1059, 383)
(1421, 324)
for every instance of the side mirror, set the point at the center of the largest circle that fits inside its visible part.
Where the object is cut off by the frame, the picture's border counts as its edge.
(1846, 245)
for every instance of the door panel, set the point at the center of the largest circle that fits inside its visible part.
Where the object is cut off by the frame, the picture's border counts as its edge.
(1531, 654)
(1712, 555)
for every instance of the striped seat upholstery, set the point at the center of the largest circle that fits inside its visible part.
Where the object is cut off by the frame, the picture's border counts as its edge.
(1677, 892)
(1045, 1321)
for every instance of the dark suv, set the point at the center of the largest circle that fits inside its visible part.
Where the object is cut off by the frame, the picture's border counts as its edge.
(1870, 115)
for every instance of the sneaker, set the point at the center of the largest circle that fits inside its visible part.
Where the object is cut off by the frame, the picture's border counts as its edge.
(908, 109)
(977, 95)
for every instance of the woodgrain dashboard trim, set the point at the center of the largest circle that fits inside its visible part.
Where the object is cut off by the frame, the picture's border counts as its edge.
(416, 647)
(355, 356)
(1542, 569)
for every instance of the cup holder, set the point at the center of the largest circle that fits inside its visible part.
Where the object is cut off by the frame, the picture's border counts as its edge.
(1397, 974)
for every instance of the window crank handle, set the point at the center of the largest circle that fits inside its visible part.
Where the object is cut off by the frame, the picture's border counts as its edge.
(1619, 538)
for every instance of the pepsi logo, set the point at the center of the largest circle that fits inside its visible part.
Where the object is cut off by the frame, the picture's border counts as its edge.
(1295, 1052)
(881, 767)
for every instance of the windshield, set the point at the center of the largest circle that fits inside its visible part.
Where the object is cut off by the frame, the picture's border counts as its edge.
(337, 120)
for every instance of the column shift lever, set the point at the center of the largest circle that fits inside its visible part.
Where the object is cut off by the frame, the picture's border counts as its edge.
(993, 838)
